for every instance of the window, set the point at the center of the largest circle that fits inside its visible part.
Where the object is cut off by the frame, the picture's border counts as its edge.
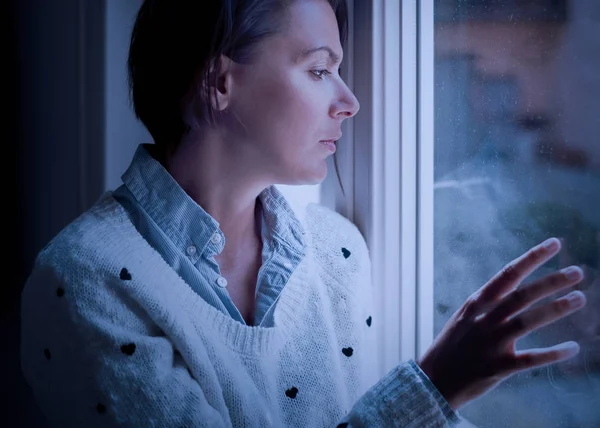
(480, 144)
(517, 160)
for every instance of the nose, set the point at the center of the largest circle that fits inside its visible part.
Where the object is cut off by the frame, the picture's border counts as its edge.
(346, 105)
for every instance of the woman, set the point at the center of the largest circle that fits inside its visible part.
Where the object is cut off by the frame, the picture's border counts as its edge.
(194, 295)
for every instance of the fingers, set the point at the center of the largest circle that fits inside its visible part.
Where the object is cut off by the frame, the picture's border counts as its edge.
(511, 276)
(539, 317)
(524, 297)
(540, 357)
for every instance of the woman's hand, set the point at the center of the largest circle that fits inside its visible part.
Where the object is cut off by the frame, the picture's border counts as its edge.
(476, 348)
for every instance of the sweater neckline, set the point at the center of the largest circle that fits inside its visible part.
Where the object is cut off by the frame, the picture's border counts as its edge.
(240, 338)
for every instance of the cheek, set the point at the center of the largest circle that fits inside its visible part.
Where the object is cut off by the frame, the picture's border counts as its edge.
(286, 112)
(299, 111)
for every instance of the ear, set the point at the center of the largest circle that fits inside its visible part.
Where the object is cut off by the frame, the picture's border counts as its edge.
(224, 85)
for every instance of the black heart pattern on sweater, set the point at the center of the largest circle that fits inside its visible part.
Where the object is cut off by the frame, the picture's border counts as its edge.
(60, 292)
(342, 425)
(348, 352)
(346, 253)
(128, 349)
(125, 275)
(292, 392)
(369, 321)
(100, 408)
(47, 353)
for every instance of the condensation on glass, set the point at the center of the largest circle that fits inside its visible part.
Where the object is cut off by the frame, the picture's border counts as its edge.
(517, 160)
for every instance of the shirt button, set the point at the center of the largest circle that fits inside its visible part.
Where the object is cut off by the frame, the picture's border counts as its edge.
(222, 282)
(287, 265)
(191, 250)
(216, 238)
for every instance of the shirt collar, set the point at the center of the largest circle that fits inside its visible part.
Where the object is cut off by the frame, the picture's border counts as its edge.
(186, 223)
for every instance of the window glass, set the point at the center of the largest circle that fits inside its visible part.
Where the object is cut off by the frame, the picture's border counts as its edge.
(517, 160)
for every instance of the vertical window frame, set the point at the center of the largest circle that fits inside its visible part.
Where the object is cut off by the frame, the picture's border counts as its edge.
(425, 165)
(386, 162)
(385, 193)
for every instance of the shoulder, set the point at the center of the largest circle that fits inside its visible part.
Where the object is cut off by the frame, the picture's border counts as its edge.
(337, 243)
(91, 275)
(84, 251)
(327, 223)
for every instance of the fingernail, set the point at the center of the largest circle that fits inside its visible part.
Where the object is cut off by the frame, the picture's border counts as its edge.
(550, 244)
(572, 273)
(576, 297)
(571, 347)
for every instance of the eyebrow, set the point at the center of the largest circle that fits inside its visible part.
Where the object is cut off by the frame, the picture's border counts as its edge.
(335, 58)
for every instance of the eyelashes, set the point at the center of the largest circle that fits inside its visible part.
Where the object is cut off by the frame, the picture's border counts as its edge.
(323, 74)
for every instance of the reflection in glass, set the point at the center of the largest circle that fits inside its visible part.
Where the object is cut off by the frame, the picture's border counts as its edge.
(517, 114)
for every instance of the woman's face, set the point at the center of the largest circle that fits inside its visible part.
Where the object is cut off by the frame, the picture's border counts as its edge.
(290, 99)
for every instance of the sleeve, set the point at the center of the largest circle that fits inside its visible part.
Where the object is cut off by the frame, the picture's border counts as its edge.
(93, 358)
(404, 397)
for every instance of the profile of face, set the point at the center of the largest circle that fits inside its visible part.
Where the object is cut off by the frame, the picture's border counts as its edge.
(290, 98)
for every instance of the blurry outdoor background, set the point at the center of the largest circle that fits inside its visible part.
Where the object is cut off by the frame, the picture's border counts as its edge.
(517, 123)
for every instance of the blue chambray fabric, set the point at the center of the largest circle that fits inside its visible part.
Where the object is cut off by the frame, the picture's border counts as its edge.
(188, 238)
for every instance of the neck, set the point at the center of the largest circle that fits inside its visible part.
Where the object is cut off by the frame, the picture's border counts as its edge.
(216, 180)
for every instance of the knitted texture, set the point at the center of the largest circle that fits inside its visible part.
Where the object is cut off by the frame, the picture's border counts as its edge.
(112, 336)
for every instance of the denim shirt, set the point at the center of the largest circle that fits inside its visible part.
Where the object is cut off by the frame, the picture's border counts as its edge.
(188, 238)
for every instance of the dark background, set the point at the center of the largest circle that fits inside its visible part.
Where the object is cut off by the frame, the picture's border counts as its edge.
(53, 86)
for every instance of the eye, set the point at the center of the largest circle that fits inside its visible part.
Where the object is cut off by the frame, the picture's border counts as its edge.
(321, 74)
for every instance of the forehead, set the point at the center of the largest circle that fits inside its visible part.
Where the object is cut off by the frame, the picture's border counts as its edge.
(310, 24)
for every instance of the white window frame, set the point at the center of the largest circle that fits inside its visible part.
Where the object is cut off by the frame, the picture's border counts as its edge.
(425, 188)
(386, 166)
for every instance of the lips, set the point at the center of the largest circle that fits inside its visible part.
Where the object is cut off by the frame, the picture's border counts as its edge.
(332, 140)
(331, 145)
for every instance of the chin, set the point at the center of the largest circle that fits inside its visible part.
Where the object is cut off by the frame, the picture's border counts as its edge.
(307, 177)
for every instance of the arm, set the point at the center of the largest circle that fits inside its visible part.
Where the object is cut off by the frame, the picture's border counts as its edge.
(95, 364)
(404, 397)
(476, 349)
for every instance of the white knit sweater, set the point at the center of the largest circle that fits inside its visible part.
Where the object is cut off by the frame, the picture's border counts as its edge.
(112, 336)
